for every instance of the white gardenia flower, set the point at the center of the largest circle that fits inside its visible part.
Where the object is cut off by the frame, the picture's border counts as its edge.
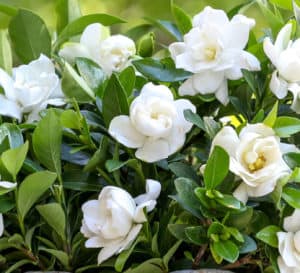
(289, 244)
(30, 89)
(213, 51)
(256, 157)
(155, 126)
(285, 56)
(114, 220)
(112, 53)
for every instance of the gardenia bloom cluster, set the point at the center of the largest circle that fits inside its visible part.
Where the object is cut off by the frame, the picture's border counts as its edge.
(285, 56)
(213, 51)
(155, 126)
(289, 244)
(30, 89)
(114, 220)
(112, 53)
(255, 156)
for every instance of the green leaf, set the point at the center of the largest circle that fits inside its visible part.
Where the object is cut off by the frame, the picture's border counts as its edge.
(178, 231)
(46, 140)
(6, 204)
(285, 4)
(182, 19)
(249, 245)
(127, 79)
(286, 126)
(240, 220)
(269, 235)
(60, 255)
(114, 100)
(13, 133)
(194, 118)
(167, 257)
(186, 196)
(183, 170)
(160, 70)
(32, 188)
(13, 159)
(8, 10)
(292, 159)
(23, 30)
(229, 201)
(145, 46)
(154, 265)
(54, 216)
(272, 116)
(114, 165)
(91, 72)
(197, 235)
(77, 26)
(216, 168)
(5, 52)
(227, 250)
(70, 119)
(291, 196)
(75, 86)
(18, 264)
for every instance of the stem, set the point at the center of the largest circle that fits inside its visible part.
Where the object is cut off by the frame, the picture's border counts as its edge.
(245, 260)
(199, 255)
(106, 176)
(20, 218)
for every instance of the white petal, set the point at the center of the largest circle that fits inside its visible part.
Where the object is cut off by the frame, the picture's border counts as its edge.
(94, 242)
(258, 129)
(176, 139)
(108, 251)
(153, 189)
(187, 88)
(153, 90)
(242, 19)
(249, 61)
(10, 108)
(278, 86)
(207, 82)
(176, 49)
(70, 51)
(140, 216)
(7, 185)
(153, 150)
(288, 148)
(240, 193)
(130, 237)
(1, 224)
(209, 15)
(283, 268)
(181, 105)
(227, 138)
(271, 51)
(91, 216)
(222, 93)
(292, 222)
(123, 131)
(283, 38)
(295, 89)
(8, 85)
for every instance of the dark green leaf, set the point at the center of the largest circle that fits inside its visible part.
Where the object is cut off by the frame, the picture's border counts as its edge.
(216, 168)
(6, 204)
(286, 126)
(32, 188)
(47, 146)
(145, 47)
(183, 170)
(160, 70)
(240, 220)
(114, 100)
(269, 235)
(13, 133)
(23, 31)
(194, 118)
(127, 79)
(178, 231)
(197, 235)
(60, 255)
(292, 159)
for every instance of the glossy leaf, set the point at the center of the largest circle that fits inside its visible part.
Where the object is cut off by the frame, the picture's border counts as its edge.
(5, 52)
(227, 250)
(269, 235)
(291, 196)
(286, 126)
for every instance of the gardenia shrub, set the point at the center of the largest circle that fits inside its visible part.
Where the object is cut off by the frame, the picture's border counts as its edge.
(173, 147)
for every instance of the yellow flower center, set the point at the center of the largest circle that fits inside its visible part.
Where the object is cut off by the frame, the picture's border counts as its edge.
(210, 53)
(259, 163)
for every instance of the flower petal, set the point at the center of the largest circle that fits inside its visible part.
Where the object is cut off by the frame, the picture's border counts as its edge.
(108, 251)
(278, 86)
(70, 51)
(227, 138)
(295, 89)
(130, 237)
(187, 88)
(123, 131)
(153, 150)
(283, 38)
(181, 105)
(10, 108)
(176, 49)
(153, 90)
(222, 93)
(207, 82)
(7, 185)
(209, 14)
(241, 193)
(1, 224)
(140, 216)
(8, 85)
(292, 222)
(153, 189)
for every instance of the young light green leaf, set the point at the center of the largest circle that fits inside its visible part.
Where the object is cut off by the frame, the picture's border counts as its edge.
(32, 188)
(272, 116)
(54, 216)
(23, 29)
(8, 10)
(75, 86)
(145, 46)
(182, 19)
(291, 196)
(127, 79)
(197, 235)
(47, 146)
(216, 168)
(13, 159)
(70, 119)
(227, 250)
(286, 126)
(5, 52)
(285, 4)
(114, 100)
(269, 235)
(76, 27)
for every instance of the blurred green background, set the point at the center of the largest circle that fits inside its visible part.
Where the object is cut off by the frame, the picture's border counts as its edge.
(132, 11)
